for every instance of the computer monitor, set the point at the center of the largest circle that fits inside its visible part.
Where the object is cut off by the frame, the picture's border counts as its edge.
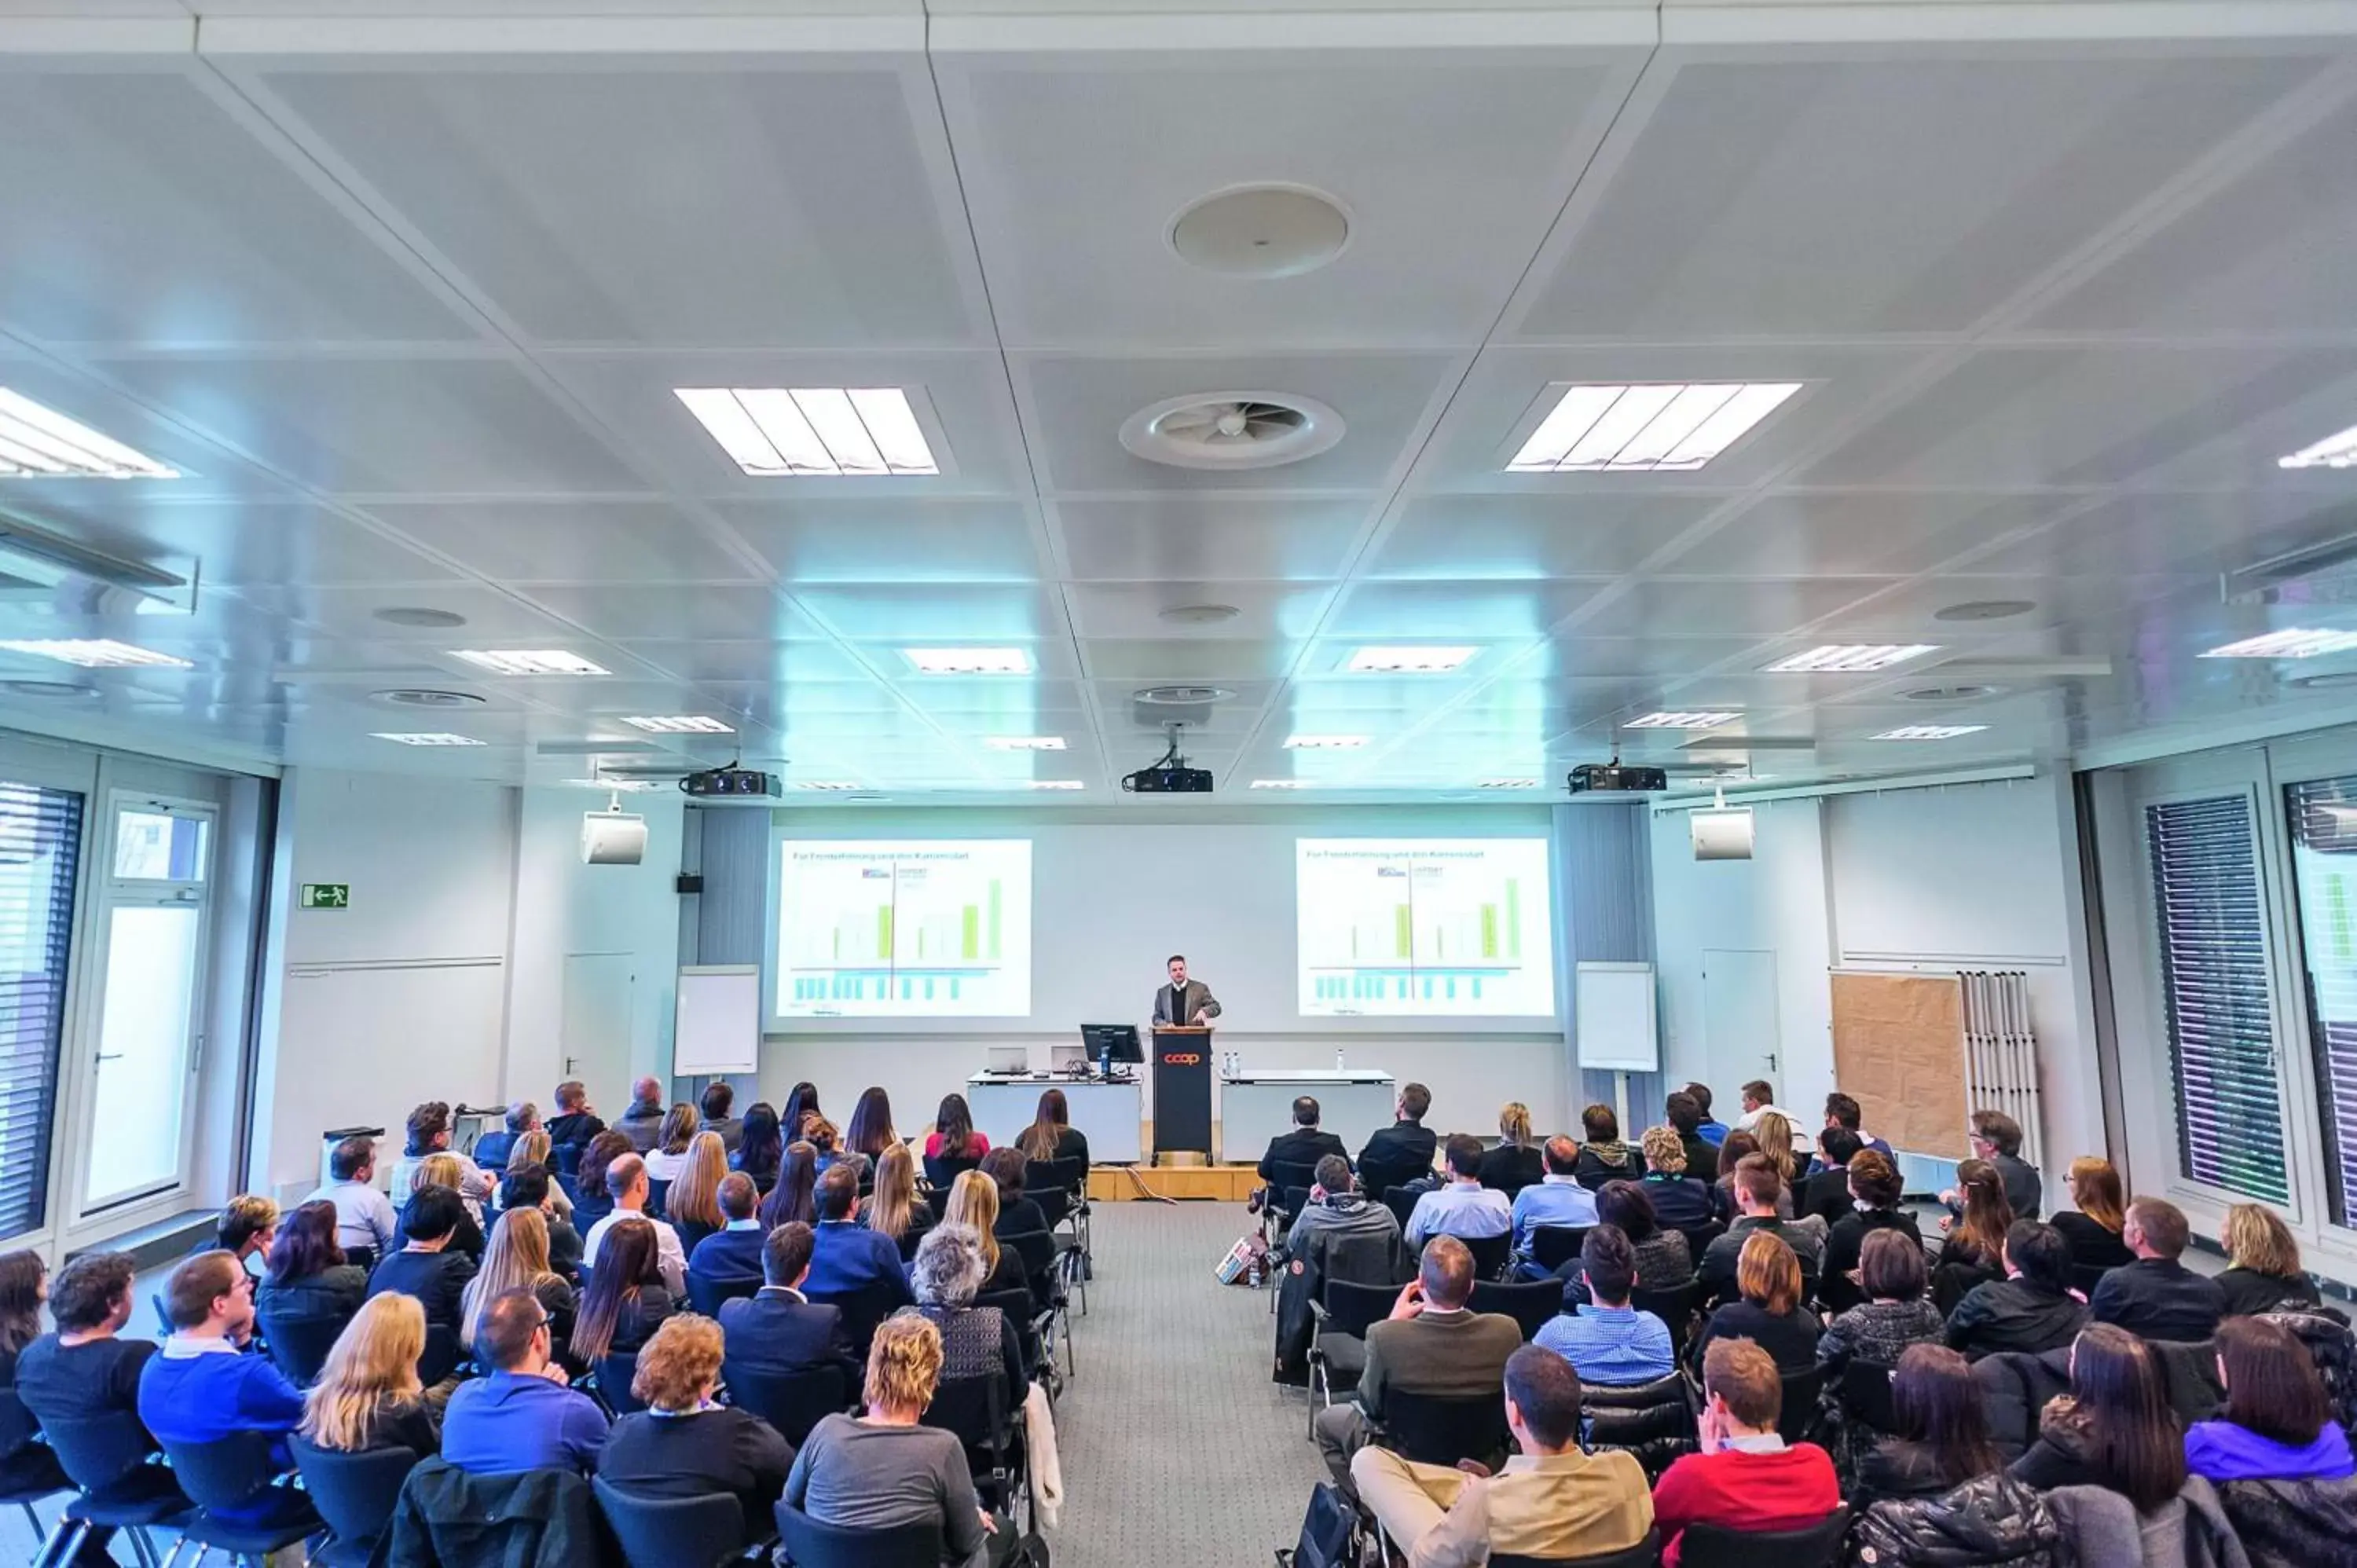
(1113, 1042)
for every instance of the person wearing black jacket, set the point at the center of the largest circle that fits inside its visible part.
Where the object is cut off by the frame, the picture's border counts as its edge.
(429, 1268)
(1404, 1150)
(1515, 1163)
(2158, 1297)
(686, 1445)
(2266, 1275)
(575, 1123)
(778, 1331)
(1943, 1437)
(1826, 1194)
(2031, 1308)
(1991, 1519)
(1683, 1113)
(1304, 1145)
(1874, 1182)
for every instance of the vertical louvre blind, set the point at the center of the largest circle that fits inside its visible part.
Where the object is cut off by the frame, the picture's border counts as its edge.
(40, 842)
(2323, 816)
(2213, 969)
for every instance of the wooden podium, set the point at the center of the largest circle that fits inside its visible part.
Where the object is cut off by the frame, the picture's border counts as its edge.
(1182, 1089)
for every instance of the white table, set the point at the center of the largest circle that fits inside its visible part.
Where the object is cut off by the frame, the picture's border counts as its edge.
(1107, 1114)
(1255, 1107)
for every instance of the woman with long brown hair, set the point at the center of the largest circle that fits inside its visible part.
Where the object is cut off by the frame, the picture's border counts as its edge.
(1943, 1437)
(1975, 1252)
(24, 1287)
(795, 1197)
(626, 1301)
(1052, 1137)
(2113, 1429)
(692, 1205)
(307, 1276)
(592, 1202)
(953, 1136)
(870, 1133)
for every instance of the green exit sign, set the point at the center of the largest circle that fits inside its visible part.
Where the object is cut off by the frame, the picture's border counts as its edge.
(327, 895)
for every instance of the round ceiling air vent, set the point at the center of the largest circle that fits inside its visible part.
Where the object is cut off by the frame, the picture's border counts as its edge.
(48, 690)
(1200, 614)
(425, 697)
(1261, 231)
(2323, 681)
(1959, 693)
(1986, 610)
(1180, 696)
(1231, 430)
(418, 615)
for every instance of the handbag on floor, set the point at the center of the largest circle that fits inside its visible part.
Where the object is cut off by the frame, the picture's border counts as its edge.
(1330, 1532)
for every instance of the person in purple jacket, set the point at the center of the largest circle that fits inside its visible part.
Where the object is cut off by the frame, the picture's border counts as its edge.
(2275, 1424)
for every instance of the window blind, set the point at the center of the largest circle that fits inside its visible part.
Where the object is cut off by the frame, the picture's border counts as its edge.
(2323, 816)
(40, 845)
(2214, 967)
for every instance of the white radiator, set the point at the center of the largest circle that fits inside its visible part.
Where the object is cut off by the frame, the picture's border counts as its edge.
(2001, 1053)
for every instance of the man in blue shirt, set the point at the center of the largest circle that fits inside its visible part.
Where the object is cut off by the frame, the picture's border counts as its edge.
(1606, 1340)
(201, 1387)
(732, 1254)
(1714, 1131)
(1463, 1208)
(1557, 1201)
(1842, 1110)
(847, 1257)
(521, 1417)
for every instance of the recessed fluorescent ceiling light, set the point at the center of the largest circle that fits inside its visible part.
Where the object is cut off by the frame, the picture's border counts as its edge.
(428, 738)
(773, 431)
(1388, 660)
(823, 784)
(1928, 732)
(1324, 742)
(2289, 644)
(678, 724)
(1847, 658)
(1673, 426)
(95, 653)
(2332, 451)
(1681, 721)
(528, 662)
(1508, 784)
(40, 442)
(969, 660)
(1024, 741)
(1282, 784)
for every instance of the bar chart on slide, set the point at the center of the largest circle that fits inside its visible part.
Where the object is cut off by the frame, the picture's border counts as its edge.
(937, 928)
(1433, 927)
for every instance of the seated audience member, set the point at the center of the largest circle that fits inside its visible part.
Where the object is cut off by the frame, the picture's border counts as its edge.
(441, 1169)
(534, 1151)
(1824, 1195)
(778, 1330)
(627, 1180)
(668, 1158)
(1759, 1104)
(2113, 1429)
(974, 1202)
(591, 1199)
(1874, 1185)
(1556, 1201)
(1737, 1148)
(2277, 1424)
(1756, 1189)
(1553, 1502)
(429, 1134)
(364, 1217)
(575, 1122)
(953, 1136)
(307, 1276)
(1684, 1117)
(531, 1188)
(795, 1198)
(2156, 1297)
(1303, 1144)
(1746, 1477)
(1463, 1207)
(1663, 1258)
(368, 1395)
(627, 1298)
(885, 1468)
(427, 1266)
(870, 1131)
(823, 1136)
(802, 1109)
(2031, 1309)
(1017, 1215)
(1896, 1313)
(200, 1389)
(894, 1210)
(1843, 1114)
(491, 1150)
(977, 1341)
(1052, 1137)
(1604, 1157)
(1780, 1147)
(24, 1287)
(1768, 1312)
(517, 1259)
(1406, 1145)
(1431, 1343)
(1976, 1244)
(1606, 1340)
(1515, 1163)
(1711, 1130)
(1943, 1439)
(1336, 1204)
(522, 1416)
(687, 1445)
(1678, 1202)
(847, 1257)
(642, 1123)
(761, 1148)
(714, 1109)
(734, 1251)
(2264, 1274)
(1996, 1138)
(246, 1230)
(692, 1207)
(2093, 1228)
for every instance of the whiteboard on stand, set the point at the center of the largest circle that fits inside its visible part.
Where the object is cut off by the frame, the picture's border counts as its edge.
(1615, 1017)
(717, 1026)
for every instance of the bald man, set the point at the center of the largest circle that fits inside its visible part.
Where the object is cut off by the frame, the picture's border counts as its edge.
(642, 1123)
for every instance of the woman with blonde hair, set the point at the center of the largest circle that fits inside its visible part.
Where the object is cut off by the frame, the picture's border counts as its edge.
(1515, 1163)
(368, 1395)
(530, 1149)
(445, 1169)
(2264, 1273)
(517, 1259)
(1775, 1135)
(2093, 1228)
(1679, 1201)
(687, 1445)
(669, 1156)
(894, 1207)
(692, 1205)
(974, 1202)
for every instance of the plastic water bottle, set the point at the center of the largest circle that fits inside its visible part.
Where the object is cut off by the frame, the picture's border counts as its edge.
(1337, 1058)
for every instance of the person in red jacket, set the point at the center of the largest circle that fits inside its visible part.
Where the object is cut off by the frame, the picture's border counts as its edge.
(1746, 1477)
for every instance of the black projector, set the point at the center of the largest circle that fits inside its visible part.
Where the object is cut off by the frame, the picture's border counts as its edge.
(1611, 778)
(731, 784)
(1170, 778)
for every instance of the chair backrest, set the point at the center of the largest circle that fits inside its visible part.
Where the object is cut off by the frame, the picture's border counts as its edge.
(1865, 1394)
(811, 1544)
(942, 1171)
(975, 1408)
(615, 1371)
(299, 1342)
(1377, 1176)
(1401, 1203)
(672, 1532)
(1057, 1176)
(365, 1259)
(100, 1451)
(656, 1192)
(706, 1292)
(227, 1471)
(1490, 1253)
(862, 1309)
(1017, 1307)
(2085, 1277)
(1531, 1305)
(1055, 1203)
(1292, 1199)
(1800, 1408)
(1352, 1308)
(1292, 1173)
(1644, 1554)
(1038, 1251)
(1713, 1546)
(355, 1493)
(441, 1354)
(1675, 1306)
(1433, 1429)
(1551, 1246)
(793, 1402)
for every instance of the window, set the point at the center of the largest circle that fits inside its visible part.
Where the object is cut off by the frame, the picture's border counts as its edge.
(2323, 816)
(2213, 971)
(40, 843)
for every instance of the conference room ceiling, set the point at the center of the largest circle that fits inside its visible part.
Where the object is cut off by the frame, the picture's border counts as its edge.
(404, 300)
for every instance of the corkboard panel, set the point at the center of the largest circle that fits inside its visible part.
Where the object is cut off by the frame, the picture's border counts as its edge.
(1899, 1048)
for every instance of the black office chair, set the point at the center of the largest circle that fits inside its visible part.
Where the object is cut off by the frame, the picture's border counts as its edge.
(2085, 1277)
(365, 1259)
(33, 1473)
(299, 1343)
(1339, 1321)
(705, 1293)
(1799, 1412)
(862, 1309)
(1401, 1203)
(442, 1353)
(1675, 1306)
(1644, 1554)
(811, 1544)
(941, 1172)
(1490, 1253)
(656, 1192)
(672, 1532)
(975, 1410)
(1532, 1303)
(1375, 1177)
(231, 1474)
(355, 1494)
(614, 1373)
(1714, 1546)
(1866, 1395)
(1031, 1330)
(1553, 1246)
(1433, 1429)
(107, 1458)
(793, 1402)
(1042, 1261)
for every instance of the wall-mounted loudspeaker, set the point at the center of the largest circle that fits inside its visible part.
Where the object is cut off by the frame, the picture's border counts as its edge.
(1722, 834)
(612, 838)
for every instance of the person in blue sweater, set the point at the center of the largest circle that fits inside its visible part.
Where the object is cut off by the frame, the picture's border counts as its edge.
(734, 1251)
(202, 1387)
(525, 1416)
(2276, 1425)
(845, 1256)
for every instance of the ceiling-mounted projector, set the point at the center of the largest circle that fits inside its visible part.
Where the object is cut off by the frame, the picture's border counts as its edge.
(612, 838)
(1170, 775)
(1611, 778)
(732, 784)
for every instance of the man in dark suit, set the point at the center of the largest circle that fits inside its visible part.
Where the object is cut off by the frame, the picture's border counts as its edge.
(1402, 1151)
(1184, 1001)
(734, 1251)
(1826, 1192)
(1304, 1145)
(2156, 1297)
(778, 1331)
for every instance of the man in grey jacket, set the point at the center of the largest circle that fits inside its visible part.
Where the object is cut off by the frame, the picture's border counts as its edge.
(1336, 1205)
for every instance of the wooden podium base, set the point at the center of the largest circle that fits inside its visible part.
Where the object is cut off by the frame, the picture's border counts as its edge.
(1221, 1184)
